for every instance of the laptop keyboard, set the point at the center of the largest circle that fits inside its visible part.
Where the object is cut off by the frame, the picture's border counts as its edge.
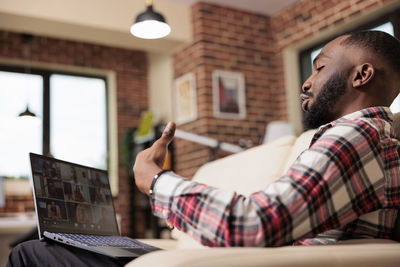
(105, 241)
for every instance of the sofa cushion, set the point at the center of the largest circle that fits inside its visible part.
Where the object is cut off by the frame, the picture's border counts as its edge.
(248, 171)
(301, 144)
(357, 253)
(185, 241)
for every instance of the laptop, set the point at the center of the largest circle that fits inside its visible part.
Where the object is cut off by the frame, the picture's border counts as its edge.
(74, 206)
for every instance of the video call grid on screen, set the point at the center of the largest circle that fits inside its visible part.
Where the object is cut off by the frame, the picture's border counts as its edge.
(72, 198)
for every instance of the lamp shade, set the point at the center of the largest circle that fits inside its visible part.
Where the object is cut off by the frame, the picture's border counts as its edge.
(27, 120)
(27, 112)
(150, 25)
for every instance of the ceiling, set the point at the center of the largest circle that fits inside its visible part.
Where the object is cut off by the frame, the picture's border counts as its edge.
(265, 7)
(107, 22)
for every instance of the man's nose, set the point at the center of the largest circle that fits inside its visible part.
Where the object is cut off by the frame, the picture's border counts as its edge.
(306, 86)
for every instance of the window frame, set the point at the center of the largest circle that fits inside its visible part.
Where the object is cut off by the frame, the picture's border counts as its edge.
(46, 74)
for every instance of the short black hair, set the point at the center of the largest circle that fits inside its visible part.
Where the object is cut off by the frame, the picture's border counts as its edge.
(381, 43)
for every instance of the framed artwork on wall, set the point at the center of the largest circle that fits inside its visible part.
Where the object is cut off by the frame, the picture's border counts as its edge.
(185, 99)
(229, 96)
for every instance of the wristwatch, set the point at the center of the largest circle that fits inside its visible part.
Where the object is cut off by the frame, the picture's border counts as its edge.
(155, 180)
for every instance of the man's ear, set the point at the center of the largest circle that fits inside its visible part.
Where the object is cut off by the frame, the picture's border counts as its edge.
(363, 74)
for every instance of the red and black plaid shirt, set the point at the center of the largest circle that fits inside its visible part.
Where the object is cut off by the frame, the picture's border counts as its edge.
(346, 185)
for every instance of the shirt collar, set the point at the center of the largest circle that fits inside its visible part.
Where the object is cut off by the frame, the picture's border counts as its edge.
(372, 112)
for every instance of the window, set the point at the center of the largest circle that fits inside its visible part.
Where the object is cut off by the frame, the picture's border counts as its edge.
(18, 138)
(72, 124)
(78, 130)
(390, 25)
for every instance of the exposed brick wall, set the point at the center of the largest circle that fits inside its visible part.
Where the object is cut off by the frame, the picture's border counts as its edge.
(230, 40)
(18, 196)
(233, 40)
(307, 18)
(130, 67)
(18, 204)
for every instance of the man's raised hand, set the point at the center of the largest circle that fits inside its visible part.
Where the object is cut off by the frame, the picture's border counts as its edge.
(149, 162)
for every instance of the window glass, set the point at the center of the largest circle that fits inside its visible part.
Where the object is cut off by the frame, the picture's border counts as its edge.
(387, 27)
(78, 120)
(19, 135)
(314, 54)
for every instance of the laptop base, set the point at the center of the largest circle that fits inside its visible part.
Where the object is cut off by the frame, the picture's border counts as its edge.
(113, 252)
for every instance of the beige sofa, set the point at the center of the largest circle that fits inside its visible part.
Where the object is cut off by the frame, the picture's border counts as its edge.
(247, 172)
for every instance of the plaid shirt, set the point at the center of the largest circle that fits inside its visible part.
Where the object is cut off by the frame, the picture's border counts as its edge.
(346, 185)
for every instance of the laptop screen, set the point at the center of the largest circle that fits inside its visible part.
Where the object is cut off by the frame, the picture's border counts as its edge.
(71, 198)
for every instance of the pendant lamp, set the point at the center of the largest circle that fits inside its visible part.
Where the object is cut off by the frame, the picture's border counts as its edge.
(27, 41)
(150, 24)
(27, 112)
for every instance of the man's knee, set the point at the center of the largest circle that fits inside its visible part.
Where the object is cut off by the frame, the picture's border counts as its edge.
(22, 253)
(38, 253)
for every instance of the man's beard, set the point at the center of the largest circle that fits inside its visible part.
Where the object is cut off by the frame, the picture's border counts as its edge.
(320, 112)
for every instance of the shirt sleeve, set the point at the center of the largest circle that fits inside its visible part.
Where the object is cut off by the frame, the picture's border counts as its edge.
(328, 186)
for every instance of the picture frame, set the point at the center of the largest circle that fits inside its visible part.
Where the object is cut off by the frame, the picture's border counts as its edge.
(229, 98)
(185, 99)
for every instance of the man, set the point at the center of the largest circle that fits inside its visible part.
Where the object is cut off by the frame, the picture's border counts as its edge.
(344, 186)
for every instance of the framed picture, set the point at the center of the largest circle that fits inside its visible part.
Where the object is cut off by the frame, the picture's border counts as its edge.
(229, 95)
(185, 100)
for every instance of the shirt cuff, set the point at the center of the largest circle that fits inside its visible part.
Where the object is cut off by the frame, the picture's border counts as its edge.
(164, 190)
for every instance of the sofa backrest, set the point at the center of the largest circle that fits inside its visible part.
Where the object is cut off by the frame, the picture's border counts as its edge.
(249, 170)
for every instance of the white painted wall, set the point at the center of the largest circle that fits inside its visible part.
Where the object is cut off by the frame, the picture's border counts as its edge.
(160, 87)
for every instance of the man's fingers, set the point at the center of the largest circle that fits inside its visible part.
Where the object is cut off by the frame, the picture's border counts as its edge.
(169, 225)
(169, 130)
(168, 134)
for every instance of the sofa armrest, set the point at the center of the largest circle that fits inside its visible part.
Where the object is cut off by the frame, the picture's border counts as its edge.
(363, 253)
